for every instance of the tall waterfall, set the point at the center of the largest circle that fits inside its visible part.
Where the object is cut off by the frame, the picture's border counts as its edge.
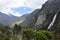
(52, 23)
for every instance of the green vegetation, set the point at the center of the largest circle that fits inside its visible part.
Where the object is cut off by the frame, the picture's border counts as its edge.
(40, 36)
(19, 33)
(5, 36)
(47, 33)
(30, 34)
(17, 28)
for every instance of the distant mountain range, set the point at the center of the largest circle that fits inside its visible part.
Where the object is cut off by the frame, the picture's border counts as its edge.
(7, 19)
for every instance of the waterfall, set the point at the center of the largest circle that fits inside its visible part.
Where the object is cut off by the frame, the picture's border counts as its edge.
(52, 23)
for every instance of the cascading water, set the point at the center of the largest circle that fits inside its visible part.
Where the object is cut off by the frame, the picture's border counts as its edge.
(52, 23)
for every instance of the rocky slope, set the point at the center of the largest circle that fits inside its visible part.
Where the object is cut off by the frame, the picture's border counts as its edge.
(41, 18)
(50, 8)
(28, 20)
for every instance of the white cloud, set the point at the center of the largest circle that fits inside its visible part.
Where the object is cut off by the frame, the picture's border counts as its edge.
(35, 3)
(6, 5)
(9, 11)
(12, 3)
(18, 3)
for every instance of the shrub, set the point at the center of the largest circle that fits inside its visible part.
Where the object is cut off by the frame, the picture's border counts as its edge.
(37, 35)
(17, 28)
(29, 32)
(47, 33)
(40, 36)
(4, 36)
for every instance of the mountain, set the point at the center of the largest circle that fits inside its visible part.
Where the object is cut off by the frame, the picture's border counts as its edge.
(46, 18)
(41, 18)
(7, 19)
(49, 10)
(28, 20)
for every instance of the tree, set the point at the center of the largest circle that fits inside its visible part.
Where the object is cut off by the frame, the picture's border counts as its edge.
(17, 28)
(40, 36)
(7, 27)
(47, 33)
(43, 35)
(4, 36)
(29, 33)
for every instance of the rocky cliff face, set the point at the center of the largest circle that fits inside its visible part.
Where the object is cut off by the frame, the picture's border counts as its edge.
(41, 18)
(56, 26)
(50, 8)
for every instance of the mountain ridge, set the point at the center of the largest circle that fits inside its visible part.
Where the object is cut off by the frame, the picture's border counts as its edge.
(44, 15)
(7, 19)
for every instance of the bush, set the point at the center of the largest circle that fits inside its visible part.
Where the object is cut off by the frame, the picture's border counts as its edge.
(17, 28)
(37, 35)
(4, 36)
(29, 32)
(47, 33)
(24, 37)
(40, 36)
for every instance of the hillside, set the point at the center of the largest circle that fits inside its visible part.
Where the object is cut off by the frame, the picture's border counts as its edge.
(40, 18)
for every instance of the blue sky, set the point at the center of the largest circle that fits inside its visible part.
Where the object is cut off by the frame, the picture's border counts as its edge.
(19, 7)
(22, 10)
